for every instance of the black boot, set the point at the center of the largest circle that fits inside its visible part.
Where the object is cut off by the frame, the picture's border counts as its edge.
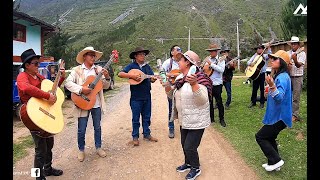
(223, 124)
(52, 172)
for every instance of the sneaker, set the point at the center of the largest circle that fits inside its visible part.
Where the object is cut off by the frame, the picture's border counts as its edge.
(52, 172)
(183, 168)
(194, 172)
(275, 166)
(171, 133)
(81, 156)
(227, 106)
(261, 106)
(266, 164)
(135, 142)
(150, 138)
(101, 152)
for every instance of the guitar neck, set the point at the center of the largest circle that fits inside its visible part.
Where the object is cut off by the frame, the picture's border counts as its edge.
(56, 82)
(106, 66)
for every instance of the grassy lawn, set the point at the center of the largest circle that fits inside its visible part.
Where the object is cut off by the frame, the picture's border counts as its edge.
(243, 123)
(19, 148)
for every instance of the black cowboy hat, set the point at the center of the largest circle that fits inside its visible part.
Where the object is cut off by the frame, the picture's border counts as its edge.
(225, 48)
(259, 45)
(137, 50)
(27, 55)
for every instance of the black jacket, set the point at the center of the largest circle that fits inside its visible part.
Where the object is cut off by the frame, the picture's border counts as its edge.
(228, 72)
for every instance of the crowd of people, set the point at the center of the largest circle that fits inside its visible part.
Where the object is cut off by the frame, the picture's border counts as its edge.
(190, 98)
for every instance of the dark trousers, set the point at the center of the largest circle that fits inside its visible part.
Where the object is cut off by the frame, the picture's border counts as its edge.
(259, 82)
(170, 124)
(43, 152)
(190, 141)
(266, 138)
(216, 92)
(227, 85)
(143, 108)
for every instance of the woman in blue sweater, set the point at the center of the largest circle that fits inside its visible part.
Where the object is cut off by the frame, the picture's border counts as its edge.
(278, 111)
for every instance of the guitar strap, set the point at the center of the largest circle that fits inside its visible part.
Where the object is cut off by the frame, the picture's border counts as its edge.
(170, 66)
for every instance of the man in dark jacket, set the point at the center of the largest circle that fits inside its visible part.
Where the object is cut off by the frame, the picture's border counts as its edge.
(227, 74)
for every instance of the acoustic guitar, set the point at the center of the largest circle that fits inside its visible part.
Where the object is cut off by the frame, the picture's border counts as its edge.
(206, 68)
(87, 101)
(258, 62)
(172, 75)
(40, 116)
(142, 75)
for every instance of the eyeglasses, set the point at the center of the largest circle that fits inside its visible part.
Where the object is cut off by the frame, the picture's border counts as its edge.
(178, 49)
(92, 55)
(36, 63)
(273, 58)
(141, 53)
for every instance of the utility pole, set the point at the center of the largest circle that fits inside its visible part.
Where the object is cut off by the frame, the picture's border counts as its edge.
(188, 38)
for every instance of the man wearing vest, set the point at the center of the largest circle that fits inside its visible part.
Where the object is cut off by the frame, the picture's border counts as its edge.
(168, 65)
(296, 67)
(74, 82)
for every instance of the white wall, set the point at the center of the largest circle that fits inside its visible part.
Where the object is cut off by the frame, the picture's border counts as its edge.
(33, 39)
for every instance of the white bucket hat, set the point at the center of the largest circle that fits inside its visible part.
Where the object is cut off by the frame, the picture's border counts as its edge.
(80, 58)
(295, 39)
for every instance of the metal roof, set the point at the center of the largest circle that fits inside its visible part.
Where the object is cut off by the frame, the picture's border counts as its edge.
(20, 15)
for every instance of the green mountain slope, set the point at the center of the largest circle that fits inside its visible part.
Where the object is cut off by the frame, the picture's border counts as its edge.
(157, 25)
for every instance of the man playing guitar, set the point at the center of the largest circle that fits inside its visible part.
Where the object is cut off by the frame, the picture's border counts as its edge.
(259, 82)
(218, 67)
(29, 85)
(168, 65)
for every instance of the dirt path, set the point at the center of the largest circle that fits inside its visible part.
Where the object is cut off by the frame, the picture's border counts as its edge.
(149, 160)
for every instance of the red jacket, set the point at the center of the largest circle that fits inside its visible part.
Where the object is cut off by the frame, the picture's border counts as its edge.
(29, 87)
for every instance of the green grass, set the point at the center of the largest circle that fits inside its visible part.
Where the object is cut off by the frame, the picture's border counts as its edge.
(19, 148)
(243, 123)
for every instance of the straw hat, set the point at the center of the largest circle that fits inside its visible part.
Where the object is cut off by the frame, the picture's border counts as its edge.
(281, 54)
(213, 47)
(80, 58)
(295, 39)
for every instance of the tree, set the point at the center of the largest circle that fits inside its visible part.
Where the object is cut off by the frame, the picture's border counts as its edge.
(293, 25)
(57, 46)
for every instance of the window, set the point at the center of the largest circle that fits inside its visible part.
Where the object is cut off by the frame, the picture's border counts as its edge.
(19, 32)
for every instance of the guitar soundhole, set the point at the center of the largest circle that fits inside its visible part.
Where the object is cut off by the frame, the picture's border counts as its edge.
(46, 113)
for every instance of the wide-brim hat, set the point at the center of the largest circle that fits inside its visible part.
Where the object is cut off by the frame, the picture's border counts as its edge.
(295, 39)
(281, 54)
(192, 57)
(258, 46)
(225, 48)
(27, 55)
(80, 58)
(137, 50)
(213, 47)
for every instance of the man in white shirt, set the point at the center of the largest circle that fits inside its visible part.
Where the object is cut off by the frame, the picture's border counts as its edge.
(74, 82)
(296, 68)
(168, 65)
(218, 66)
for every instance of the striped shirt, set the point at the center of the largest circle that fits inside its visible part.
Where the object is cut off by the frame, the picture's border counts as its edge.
(301, 57)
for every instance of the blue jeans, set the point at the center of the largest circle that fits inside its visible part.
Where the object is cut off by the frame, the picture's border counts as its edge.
(142, 107)
(227, 85)
(82, 126)
(170, 124)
